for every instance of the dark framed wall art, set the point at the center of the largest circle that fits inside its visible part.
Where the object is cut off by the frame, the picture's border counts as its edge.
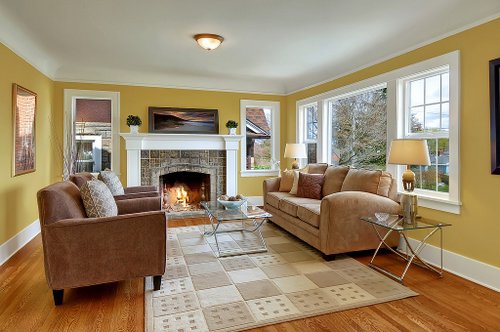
(170, 120)
(495, 115)
(24, 114)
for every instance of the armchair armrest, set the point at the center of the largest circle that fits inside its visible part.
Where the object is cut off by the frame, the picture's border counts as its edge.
(340, 226)
(269, 185)
(140, 204)
(87, 251)
(140, 189)
(137, 195)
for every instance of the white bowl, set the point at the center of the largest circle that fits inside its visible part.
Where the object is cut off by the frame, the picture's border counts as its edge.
(232, 204)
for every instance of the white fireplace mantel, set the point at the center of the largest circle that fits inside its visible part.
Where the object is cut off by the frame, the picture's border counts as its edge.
(134, 143)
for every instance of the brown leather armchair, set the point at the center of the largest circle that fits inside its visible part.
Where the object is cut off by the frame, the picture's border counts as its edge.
(81, 251)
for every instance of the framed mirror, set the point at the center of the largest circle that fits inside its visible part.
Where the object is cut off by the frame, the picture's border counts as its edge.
(24, 112)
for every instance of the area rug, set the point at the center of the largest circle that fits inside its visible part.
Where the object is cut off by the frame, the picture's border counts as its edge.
(200, 292)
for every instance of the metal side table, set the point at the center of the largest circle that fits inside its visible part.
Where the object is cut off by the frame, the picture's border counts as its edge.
(395, 224)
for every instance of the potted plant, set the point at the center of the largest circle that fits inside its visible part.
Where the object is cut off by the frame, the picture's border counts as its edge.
(232, 125)
(134, 122)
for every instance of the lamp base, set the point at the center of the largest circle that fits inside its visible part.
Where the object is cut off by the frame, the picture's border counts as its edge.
(295, 164)
(409, 205)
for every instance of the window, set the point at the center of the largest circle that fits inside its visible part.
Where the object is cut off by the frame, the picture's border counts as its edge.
(427, 116)
(355, 124)
(309, 134)
(358, 128)
(260, 128)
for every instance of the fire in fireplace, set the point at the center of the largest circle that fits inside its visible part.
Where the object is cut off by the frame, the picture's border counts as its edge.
(183, 191)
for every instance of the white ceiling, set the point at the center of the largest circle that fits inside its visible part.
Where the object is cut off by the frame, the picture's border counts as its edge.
(271, 46)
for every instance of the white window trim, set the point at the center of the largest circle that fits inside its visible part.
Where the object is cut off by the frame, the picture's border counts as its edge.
(70, 97)
(275, 111)
(96, 141)
(301, 130)
(395, 106)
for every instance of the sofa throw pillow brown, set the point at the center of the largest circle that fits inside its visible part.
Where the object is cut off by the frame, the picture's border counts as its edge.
(112, 181)
(286, 181)
(310, 185)
(98, 200)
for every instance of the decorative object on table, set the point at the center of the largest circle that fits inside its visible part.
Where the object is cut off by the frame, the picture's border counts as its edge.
(134, 122)
(172, 120)
(24, 112)
(232, 202)
(495, 115)
(208, 41)
(409, 152)
(232, 125)
(295, 151)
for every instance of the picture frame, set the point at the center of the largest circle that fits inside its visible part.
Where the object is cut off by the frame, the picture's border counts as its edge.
(172, 120)
(495, 115)
(24, 104)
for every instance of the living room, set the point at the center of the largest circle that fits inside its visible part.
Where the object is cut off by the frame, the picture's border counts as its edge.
(34, 57)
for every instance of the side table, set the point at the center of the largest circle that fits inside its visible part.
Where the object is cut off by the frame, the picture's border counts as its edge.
(395, 224)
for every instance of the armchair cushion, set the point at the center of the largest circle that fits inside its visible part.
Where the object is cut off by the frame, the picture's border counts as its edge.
(112, 181)
(98, 200)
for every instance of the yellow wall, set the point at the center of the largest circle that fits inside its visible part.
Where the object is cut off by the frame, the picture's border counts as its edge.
(475, 231)
(18, 206)
(136, 100)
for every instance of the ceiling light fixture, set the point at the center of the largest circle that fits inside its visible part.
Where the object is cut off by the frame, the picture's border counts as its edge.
(208, 41)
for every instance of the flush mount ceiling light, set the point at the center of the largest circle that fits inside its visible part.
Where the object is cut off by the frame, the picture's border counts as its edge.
(208, 41)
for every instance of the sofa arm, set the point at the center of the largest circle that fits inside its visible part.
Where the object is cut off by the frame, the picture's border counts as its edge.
(269, 185)
(137, 205)
(140, 189)
(341, 229)
(80, 252)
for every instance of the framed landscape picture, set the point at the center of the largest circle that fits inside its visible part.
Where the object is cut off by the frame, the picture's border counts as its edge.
(495, 115)
(24, 113)
(170, 120)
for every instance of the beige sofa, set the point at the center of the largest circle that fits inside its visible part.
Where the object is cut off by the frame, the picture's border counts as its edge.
(332, 224)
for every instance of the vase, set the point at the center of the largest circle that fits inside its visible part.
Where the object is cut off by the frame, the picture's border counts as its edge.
(134, 129)
(232, 131)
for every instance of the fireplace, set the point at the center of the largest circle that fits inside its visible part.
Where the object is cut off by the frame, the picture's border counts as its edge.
(183, 191)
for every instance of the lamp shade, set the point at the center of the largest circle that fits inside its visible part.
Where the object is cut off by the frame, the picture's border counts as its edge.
(295, 150)
(409, 152)
(208, 41)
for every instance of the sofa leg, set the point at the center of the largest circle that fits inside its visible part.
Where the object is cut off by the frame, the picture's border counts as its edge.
(58, 296)
(329, 257)
(156, 282)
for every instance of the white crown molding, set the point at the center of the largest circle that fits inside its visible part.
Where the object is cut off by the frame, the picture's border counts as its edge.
(393, 55)
(12, 245)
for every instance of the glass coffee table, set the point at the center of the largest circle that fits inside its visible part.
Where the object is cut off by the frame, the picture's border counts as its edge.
(411, 255)
(247, 220)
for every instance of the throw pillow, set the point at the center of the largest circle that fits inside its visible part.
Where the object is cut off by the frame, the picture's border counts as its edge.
(286, 181)
(310, 185)
(295, 184)
(112, 181)
(98, 200)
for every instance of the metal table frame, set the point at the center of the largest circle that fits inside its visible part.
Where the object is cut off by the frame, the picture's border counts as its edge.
(412, 254)
(216, 223)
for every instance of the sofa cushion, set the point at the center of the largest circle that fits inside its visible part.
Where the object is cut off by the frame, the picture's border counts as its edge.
(286, 181)
(309, 213)
(289, 205)
(316, 168)
(273, 198)
(375, 182)
(98, 200)
(112, 181)
(334, 178)
(310, 185)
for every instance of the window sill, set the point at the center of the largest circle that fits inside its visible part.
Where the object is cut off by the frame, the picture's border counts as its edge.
(263, 172)
(440, 204)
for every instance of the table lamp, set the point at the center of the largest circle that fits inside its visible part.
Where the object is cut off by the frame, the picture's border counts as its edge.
(295, 151)
(409, 152)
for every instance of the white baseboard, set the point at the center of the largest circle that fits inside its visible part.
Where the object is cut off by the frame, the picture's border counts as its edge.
(18, 241)
(256, 200)
(465, 267)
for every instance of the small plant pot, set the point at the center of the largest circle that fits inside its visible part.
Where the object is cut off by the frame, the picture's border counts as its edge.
(232, 131)
(134, 129)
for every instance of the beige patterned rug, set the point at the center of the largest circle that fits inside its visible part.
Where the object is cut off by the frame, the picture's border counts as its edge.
(200, 292)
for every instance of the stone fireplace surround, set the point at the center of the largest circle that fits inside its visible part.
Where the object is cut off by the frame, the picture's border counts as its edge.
(152, 155)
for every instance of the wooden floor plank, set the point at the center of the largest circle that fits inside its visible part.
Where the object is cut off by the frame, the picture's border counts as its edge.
(444, 304)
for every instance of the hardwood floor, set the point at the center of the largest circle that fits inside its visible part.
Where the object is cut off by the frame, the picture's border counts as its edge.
(447, 304)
